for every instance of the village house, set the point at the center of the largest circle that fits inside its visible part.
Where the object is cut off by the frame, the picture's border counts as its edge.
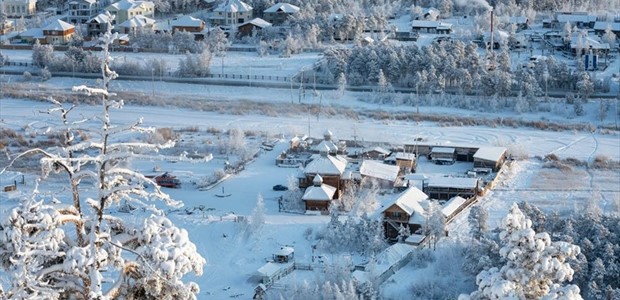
(386, 176)
(580, 19)
(98, 25)
(490, 157)
(376, 153)
(31, 35)
(443, 155)
(330, 167)
(230, 13)
(329, 144)
(405, 210)
(58, 32)
(601, 27)
(431, 27)
(187, 23)
(127, 9)
(581, 45)
(427, 14)
(135, 24)
(252, 26)
(444, 188)
(18, 8)
(278, 13)
(318, 196)
(405, 161)
(80, 11)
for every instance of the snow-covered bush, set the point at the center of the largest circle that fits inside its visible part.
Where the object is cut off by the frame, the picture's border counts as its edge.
(27, 76)
(46, 74)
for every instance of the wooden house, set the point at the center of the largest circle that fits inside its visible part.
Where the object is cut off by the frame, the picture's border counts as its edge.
(318, 196)
(278, 13)
(490, 157)
(284, 255)
(580, 19)
(443, 155)
(520, 22)
(376, 153)
(601, 27)
(444, 188)
(58, 32)
(330, 167)
(431, 27)
(404, 210)
(250, 27)
(327, 144)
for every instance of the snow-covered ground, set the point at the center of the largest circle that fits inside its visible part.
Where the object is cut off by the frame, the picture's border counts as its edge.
(233, 259)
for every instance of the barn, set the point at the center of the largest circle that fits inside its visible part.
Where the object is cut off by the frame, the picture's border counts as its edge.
(444, 188)
(490, 157)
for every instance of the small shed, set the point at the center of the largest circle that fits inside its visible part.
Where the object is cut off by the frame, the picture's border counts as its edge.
(385, 174)
(376, 153)
(406, 161)
(490, 157)
(443, 155)
(284, 255)
(254, 25)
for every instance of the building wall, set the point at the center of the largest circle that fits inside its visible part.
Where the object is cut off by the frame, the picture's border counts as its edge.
(317, 205)
(17, 8)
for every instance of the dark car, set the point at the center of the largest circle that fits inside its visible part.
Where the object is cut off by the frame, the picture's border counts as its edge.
(279, 187)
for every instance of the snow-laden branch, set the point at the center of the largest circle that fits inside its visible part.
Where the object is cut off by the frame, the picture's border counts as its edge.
(91, 91)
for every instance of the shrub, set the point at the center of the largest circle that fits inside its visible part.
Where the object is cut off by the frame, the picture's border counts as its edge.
(27, 76)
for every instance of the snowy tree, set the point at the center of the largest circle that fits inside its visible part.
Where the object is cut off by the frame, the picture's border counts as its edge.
(217, 42)
(195, 65)
(63, 252)
(609, 36)
(585, 86)
(42, 55)
(435, 224)
(477, 219)
(534, 266)
(342, 85)
(257, 220)
(45, 74)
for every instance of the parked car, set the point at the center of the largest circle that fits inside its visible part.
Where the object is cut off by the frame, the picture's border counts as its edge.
(279, 187)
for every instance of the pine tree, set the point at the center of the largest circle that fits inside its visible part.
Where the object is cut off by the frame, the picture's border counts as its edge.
(534, 266)
(478, 219)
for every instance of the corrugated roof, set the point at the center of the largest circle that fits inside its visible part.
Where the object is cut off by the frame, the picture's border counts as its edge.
(409, 201)
(452, 205)
(453, 182)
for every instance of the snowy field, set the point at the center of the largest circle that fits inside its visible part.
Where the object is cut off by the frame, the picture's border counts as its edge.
(233, 258)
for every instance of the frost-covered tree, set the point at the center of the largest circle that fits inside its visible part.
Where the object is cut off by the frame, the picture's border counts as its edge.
(435, 224)
(609, 36)
(217, 42)
(80, 250)
(342, 85)
(42, 55)
(478, 221)
(535, 267)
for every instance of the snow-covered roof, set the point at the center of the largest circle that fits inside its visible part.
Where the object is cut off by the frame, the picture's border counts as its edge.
(269, 269)
(490, 153)
(58, 25)
(360, 276)
(323, 192)
(186, 21)
(129, 4)
(318, 180)
(452, 205)
(283, 7)
(377, 169)
(572, 18)
(415, 239)
(326, 165)
(233, 6)
(258, 22)
(285, 251)
(615, 26)
(445, 150)
(453, 182)
(409, 201)
(404, 156)
(577, 41)
(430, 24)
(393, 254)
(379, 150)
(326, 145)
(137, 22)
(35, 33)
(100, 18)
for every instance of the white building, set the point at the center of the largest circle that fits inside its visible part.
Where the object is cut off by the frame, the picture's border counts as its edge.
(18, 8)
(231, 13)
(127, 9)
(81, 11)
